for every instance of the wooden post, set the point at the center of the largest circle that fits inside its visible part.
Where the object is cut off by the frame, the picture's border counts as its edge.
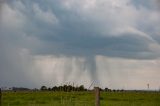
(97, 96)
(0, 97)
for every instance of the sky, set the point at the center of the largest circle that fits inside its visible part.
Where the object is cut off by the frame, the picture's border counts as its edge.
(113, 43)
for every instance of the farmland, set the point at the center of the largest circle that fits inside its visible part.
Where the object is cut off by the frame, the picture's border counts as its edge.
(86, 98)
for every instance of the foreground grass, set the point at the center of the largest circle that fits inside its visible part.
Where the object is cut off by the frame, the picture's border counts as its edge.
(80, 98)
(130, 99)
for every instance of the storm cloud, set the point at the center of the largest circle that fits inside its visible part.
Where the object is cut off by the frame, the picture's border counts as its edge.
(57, 41)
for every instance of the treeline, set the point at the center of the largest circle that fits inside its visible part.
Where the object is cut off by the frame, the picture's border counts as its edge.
(20, 89)
(65, 88)
(69, 88)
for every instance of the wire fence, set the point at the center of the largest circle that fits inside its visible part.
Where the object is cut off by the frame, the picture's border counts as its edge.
(50, 98)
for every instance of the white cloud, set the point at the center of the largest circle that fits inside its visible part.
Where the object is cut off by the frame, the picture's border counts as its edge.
(128, 73)
(11, 19)
(57, 70)
(110, 17)
(155, 47)
(45, 16)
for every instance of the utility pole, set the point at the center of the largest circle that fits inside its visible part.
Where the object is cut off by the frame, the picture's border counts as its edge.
(148, 86)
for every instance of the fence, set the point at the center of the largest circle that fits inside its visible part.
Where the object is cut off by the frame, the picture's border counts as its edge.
(65, 101)
(97, 96)
(0, 97)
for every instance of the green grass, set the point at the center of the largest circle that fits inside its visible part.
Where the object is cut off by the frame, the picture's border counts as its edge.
(130, 99)
(47, 98)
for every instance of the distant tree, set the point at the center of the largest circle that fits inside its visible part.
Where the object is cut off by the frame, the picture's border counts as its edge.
(61, 88)
(81, 88)
(55, 88)
(107, 90)
(114, 90)
(43, 88)
(49, 89)
(20, 89)
(122, 90)
(65, 88)
(101, 89)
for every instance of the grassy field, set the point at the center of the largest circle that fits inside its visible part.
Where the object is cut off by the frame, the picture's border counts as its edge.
(39, 98)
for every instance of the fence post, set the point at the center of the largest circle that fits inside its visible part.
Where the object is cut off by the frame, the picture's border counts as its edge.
(97, 96)
(0, 97)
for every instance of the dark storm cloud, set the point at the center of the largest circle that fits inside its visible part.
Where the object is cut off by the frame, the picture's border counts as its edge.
(76, 36)
(126, 46)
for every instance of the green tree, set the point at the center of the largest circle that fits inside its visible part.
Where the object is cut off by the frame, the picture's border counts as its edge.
(81, 88)
(43, 88)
